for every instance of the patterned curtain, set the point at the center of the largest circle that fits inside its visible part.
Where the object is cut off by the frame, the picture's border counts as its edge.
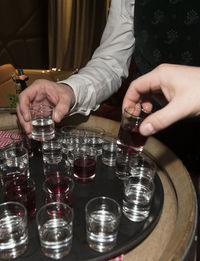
(75, 29)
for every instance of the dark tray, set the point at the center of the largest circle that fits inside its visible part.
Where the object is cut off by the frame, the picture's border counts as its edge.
(105, 184)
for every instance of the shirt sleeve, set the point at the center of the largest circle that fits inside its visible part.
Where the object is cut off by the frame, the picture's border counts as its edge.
(109, 65)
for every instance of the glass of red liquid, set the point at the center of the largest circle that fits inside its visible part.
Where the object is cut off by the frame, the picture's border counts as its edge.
(58, 188)
(22, 190)
(6, 176)
(85, 159)
(129, 130)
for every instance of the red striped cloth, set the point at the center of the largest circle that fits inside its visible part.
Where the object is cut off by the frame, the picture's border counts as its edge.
(4, 138)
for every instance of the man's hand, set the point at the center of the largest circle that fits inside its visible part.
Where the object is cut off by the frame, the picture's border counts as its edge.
(60, 96)
(177, 84)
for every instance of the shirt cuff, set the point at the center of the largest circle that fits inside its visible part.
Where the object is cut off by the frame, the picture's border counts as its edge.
(85, 98)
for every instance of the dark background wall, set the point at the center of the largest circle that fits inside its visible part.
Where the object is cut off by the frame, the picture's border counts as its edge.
(24, 33)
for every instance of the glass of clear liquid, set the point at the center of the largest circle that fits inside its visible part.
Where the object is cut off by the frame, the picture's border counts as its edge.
(137, 199)
(102, 223)
(43, 127)
(109, 150)
(55, 222)
(13, 230)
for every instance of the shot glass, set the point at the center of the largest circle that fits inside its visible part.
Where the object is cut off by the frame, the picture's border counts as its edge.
(78, 135)
(6, 143)
(94, 138)
(42, 123)
(68, 146)
(73, 138)
(122, 169)
(22, 190)
(10, 176)
(58, 188)
(129, 130)
(141, 165)
(138, 195)
(109, 150)
(13, 230)
(22, 140)
(17, 160)
(102, 222)
(85, 163)
(62, 168)
(55, 224)
(52, 149)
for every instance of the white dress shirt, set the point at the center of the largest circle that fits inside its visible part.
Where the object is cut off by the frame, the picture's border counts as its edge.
(109, 65)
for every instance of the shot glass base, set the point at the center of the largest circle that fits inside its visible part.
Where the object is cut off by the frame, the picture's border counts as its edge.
(56, 254)
(135, 215)
(122, 176)
(13, 252)
(84, 179)
(101, 247)
(110, 163)
(44, 137)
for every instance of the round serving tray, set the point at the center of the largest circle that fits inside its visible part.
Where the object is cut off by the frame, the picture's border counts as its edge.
(173, 237)
(105, 184)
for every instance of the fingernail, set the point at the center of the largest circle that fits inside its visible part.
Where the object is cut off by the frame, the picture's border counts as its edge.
(147, 129)
(57, 117)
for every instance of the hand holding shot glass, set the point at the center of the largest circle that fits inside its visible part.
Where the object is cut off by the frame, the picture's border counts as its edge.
(129, 130)
(42, 122)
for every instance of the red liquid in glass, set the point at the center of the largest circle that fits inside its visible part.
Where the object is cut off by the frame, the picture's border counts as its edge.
(59, 189)
(84, 169)
(19, 190)
(131, 137)
(12, 176)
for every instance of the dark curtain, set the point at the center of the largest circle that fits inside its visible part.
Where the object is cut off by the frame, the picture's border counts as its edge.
(75, 29)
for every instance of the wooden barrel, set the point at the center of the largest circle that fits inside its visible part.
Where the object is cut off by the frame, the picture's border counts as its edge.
(173, 238)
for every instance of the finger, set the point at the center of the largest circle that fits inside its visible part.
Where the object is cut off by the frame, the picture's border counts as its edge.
(131, 97)
(24, 124)
(23, 107)
(146, 103)
(60, 110)
(141, 86)
(163, 118)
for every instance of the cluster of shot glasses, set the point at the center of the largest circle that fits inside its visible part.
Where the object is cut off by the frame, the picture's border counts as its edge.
(18, 193)
(70, 155)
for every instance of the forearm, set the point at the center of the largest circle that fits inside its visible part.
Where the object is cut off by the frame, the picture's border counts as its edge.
(103, 74)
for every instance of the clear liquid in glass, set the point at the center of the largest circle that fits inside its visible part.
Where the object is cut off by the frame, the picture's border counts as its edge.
(56, 238)
(102, 227)
(43, 129)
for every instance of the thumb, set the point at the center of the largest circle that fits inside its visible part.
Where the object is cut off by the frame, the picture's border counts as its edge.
(162, 118)
(60, 111)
